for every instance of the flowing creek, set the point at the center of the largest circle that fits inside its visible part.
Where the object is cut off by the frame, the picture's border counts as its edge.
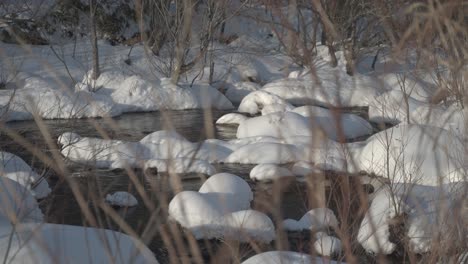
(62, 207)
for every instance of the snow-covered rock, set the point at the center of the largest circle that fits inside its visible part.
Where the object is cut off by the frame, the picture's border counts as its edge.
(221, 208)
(13, 167)
(274, 108)
(162, 136)
(302, 168)
(279, 125)
(316, 219)
(254, 102)
(231, 119)
(121, 199)
(417, 89)
(239, 90)
(415, 154)
(101, 153)
(451, 118)
(181, 165)
(336, 126)
(227, 183)
(17, 204)
(266, 152)
(327, 245)
(53, 243)
(248, 225)
(393, 107)
(332, 87)
(264, 172)
(431, 213)
(286, 257)
(374, 232)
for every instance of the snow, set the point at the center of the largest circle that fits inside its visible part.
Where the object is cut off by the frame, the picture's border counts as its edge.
(316, 219)
(265, 172)
(230, 184)
(51, 94)
(53, 243)
(121, 199)
(162, 136)
(153, 150)
(274, 108)
(259, 153)
(239, 90)
(334, 87)
(302, 168)
(231, 118)
(248, 225)
(391, 107)
(451, 118)
(279, 125)
(293, 91)
(101, 153)
(17, 204)
(181, 165)
(286, 257)
(221, 208)
(255, 101)
(13, 167)
(374, 234)
(417, 89)
(336, 125)
(415, 154)
(327, 245)
(432, 212)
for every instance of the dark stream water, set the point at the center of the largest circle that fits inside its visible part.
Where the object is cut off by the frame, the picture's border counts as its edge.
(62, 207)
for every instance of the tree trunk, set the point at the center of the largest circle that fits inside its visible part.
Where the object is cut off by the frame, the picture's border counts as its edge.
(182, 40)
(95, 71)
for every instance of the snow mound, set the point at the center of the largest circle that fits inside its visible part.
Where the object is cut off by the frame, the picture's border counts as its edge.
(50, 100)
(265, 172)
(451, 118)
(415, 154)
(417, 89)
(248, 225)
(238, 91)
(274, 108)
(101, 153)
(230, 184)
(333, 87)
(255, 101)
(431, 212)
(210, 97)
(181, 165)
(391, 107)
(315, 219)
(53, 243)
(327, 245)
(302, 168)
(336, 126)
(221, 209)
(121, 199)
(292, 90)
(17, 204)
(162, 136)
(260, 153)
(231, 118)
(286, 257)
(374, 233)
(279, 125)
(13, 167)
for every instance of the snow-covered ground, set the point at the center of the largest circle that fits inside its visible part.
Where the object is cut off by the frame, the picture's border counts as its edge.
(290, 122)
